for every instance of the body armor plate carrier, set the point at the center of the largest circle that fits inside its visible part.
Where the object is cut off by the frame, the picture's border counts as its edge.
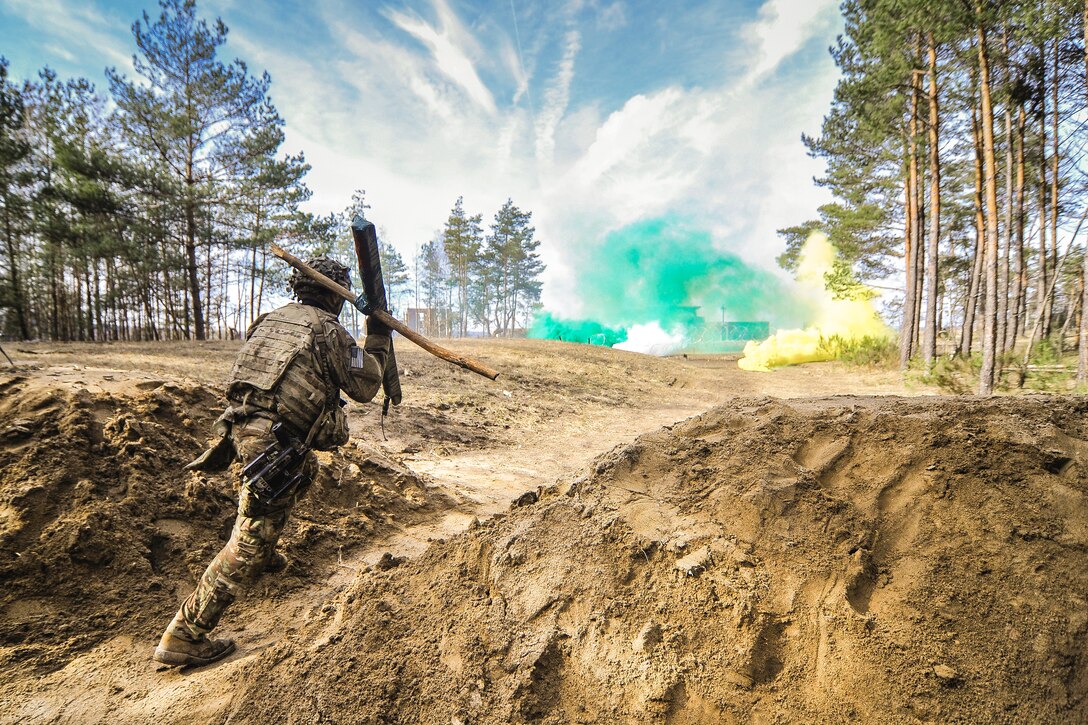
(278, 369)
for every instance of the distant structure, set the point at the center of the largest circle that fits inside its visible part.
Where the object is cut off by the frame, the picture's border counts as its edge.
(737, 331)
(418, 318)
(726, 337)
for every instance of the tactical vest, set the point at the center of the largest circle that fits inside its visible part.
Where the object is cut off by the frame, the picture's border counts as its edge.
(279, 370)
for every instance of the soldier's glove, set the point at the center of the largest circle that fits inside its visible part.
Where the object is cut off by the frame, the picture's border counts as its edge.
(374, 326)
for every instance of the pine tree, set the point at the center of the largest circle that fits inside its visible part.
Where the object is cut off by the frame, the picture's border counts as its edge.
(264, 206)
(462, 239)
(15, 188)
(511, 252)
(199, 120)
(434, 280)
(933, 96)
(394, 272)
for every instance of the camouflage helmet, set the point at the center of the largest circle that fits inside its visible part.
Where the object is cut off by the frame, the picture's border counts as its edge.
(305, 289)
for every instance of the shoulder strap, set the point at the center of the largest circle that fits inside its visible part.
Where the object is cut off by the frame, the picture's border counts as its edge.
(331, 394)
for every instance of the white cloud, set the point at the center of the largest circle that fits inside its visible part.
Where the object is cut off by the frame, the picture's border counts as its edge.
(451, 46)
(77, 25)
(612, 16)
(511, 59)
(783, 27)
(556, 99)
(728, 156)
(638, 165)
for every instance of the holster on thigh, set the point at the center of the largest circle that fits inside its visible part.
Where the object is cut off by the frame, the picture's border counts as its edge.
(251, 438)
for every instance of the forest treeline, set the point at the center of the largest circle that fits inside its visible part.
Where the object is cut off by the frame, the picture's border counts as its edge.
(471, 279)
(954, 149)
(146, 213)
(461, 281)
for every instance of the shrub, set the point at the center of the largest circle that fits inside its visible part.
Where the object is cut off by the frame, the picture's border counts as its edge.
(955, 375)
(871, 351)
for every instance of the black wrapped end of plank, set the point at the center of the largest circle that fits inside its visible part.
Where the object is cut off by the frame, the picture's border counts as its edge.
(370, 270)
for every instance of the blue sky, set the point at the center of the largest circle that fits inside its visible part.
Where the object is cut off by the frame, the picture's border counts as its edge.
(593, 114)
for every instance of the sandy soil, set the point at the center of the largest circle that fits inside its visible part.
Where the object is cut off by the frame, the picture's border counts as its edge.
(778, 556)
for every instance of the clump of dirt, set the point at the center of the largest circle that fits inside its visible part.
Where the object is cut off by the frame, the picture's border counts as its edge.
(816, 561)
(102, 531)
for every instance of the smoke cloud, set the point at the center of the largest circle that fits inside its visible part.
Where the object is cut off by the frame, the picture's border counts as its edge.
(837, 323)
(666, 275)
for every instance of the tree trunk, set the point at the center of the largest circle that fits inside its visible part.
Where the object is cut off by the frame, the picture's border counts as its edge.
(54, 301)
(111, 310)
(89, 322)
(910, 321)
(149, 311)
(208, 280)
(190, 251)
(906, 330)
(253, 264)
(13, 273)
(929, 344)
(78, 319)
(185, 302)
(172, 326)
(920, 246)
(975, 284)
(1054, 160)
(1041, 307)
(260, 291)
(989, 340)
(1006, 242)
(98, 302)
(1082, 361)
(1042, 276)
(1019, 293)
(1074, 306)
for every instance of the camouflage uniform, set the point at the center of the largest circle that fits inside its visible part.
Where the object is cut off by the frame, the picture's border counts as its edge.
(291, 369)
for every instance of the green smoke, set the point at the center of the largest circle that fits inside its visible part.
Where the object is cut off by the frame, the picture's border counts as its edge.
(665, 270)
(548, 327)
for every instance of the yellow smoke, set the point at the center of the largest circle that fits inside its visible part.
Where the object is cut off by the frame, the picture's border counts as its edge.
(848, 320)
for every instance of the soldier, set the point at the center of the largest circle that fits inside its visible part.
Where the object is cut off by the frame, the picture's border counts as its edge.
(294, 364)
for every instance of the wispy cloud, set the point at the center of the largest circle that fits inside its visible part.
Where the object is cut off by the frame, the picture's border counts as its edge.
(725, 155)
(391, 113)
(612, 16)
(422, 101)
(784, 26)
(75, 26)
(449, 44)
(556, 98)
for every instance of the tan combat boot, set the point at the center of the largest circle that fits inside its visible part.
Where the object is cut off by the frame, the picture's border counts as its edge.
(276, 563)
(180, 649)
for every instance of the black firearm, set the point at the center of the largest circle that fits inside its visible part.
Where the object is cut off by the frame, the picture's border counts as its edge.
(269, 474)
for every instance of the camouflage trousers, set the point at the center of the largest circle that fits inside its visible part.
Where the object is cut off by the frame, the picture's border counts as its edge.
(252, 542)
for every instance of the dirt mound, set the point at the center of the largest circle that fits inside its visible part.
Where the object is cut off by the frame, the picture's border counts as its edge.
(102, 532)
(816, 561)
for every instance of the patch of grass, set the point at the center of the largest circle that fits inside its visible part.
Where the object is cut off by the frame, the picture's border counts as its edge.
(1048, 370)
(868, 351)
(953, 374)
(1045, 352)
